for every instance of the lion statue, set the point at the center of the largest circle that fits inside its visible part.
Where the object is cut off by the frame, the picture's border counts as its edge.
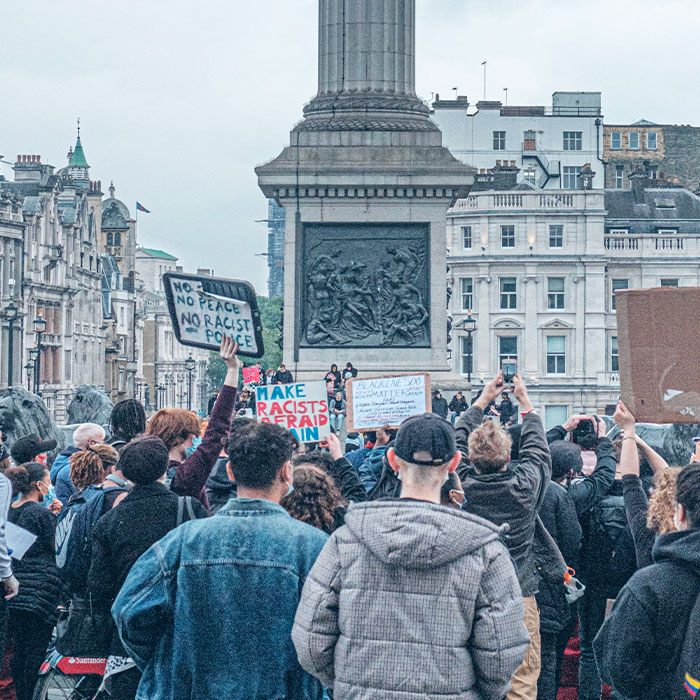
(89, 405)
(22, 413)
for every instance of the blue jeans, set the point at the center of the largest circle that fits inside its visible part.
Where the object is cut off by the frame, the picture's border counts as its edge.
(591, 608)
(337, 421)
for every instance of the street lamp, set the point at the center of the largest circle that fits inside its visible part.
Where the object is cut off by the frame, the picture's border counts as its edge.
(29, 367)
(190, 364)
(469, 326)
(39, 328)
(11, 314)
(33, 357)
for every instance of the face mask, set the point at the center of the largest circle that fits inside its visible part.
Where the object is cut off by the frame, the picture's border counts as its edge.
(196, 442)
(49, 497)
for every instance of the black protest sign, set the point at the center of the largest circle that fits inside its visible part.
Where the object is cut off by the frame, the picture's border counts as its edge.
(205, 309)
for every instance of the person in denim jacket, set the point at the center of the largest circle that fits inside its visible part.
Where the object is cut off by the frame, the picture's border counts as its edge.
(207, 611)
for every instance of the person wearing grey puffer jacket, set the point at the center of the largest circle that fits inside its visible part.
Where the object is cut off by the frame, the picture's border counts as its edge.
(410, 600)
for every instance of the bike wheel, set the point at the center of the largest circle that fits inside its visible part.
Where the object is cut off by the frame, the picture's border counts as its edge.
(57, 686)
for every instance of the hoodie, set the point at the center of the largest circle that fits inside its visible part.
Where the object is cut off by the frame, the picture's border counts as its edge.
(638, 647)
(220, 489)
(410, 599)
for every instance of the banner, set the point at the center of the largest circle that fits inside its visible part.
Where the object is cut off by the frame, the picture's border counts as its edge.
(301, 408)
(374, 402)
(251, 375)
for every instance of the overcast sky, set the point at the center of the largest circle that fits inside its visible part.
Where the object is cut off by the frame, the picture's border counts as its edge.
(180, 100)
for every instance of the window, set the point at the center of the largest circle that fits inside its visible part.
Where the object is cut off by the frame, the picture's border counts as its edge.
(617, 284)
(467, 354)
(614, 358)
(619, 176)
(554, 416)
(653, 172)
(530, 175)
(507, 349)
(117, 239)
(555, 293)
(509, 296)
(466, 237)
(556, 354)
(618, 231)
(467, 293)
(634, 140)
(652, 140)
(556, 236)
(667, 282)
(507, 236)
(616, 140)
(667, 231)
(530, 140)
(499, 140)
(572, 140)
(570, 180)
(110, 239)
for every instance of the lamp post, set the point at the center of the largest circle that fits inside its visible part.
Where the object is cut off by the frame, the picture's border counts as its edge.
(190, 364)
(29, 367)
(39, 328)
(469, 326)
(11, 314)
(33, 355)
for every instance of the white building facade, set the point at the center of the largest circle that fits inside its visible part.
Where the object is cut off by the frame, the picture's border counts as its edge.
(550, 145)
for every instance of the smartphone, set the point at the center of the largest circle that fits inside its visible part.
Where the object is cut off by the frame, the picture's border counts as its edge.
(510, 369)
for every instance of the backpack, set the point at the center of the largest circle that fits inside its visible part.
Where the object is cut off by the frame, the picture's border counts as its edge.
(609, 520)
(74, 534)
(688, 681)
(184, 503)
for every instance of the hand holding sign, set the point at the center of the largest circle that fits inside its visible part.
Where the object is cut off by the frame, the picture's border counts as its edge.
(228, 352)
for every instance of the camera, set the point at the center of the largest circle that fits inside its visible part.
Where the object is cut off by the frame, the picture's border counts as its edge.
(510, 369)
(585, 435)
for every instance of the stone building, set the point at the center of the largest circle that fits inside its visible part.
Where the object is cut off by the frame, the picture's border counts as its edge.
(550, 145)
(668, 152)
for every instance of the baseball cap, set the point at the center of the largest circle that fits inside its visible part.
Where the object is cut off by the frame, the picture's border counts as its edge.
(426, 433)
(30, 446)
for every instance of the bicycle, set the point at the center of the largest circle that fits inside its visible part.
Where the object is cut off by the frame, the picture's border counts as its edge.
(69, 677)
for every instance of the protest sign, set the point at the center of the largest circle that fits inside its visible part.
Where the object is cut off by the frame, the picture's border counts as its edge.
(251, 375)
(301, 408)
(203, 309)
(374, 402)
(656, 333)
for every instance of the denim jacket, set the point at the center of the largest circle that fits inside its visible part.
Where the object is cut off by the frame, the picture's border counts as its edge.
(207, 611)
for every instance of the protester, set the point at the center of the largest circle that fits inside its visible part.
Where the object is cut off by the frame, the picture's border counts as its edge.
(190, 465)
(84, 436)
(33, 611)
(457, 406)
(371, 469)
(349, 372)
(283, 376)
(509, 496)
(9, 581)
(91, 466)
(374, 604)
(333, 375)
(122, 535)
(31, 448)
(246, 403)
(354, 441)
(127, 421)
(224, 630)
(337, 410)
(638, 649)
(439, 405)
(270, 377)
(357, 457)
(506, 410)
(451, 493)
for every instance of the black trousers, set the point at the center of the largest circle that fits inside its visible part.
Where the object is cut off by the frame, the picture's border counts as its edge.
(122, 686)
(31, 635)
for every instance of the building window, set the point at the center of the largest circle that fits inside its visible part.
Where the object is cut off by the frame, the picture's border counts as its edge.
(499, 140)
(467, 354)
(614, 357)
(509, 296)
(507, 236)
(653, 172)
(555, 293)
(530, 176)
(667, 282)
(530, 140)
(117, 239)
(507, 349)
(556, 354)
(572, 140)
(555, 416)
(634, 140)
(615, 285)
(616, 140)
(556, 236)
(618, 231)
(619, 176)
(667, 231)
(570, 179)
(466, 237)
(110, 239)
(652, 140)
(467, 293)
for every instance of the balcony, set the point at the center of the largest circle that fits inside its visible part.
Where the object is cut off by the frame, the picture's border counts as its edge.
(609, 379)
(551, 200)
(651, 245)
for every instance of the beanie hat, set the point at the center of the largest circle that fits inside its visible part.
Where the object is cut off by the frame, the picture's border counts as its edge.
(144, 460)
(566, 457)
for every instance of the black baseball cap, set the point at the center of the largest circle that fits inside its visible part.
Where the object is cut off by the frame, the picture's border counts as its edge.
(29, 447)
(426, 433)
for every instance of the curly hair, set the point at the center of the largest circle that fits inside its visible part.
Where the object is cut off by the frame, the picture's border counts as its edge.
(128, 419)
(173, 426)
(315, 498)
(662, 502)
(489, 447)
(89, 467)
(24, 477)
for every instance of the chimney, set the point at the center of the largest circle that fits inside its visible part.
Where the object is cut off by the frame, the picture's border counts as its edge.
(639, 181)
(505, 176)
(587, 174)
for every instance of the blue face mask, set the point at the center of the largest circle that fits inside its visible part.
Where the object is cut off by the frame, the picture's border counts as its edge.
(49, 497)
(196, 442)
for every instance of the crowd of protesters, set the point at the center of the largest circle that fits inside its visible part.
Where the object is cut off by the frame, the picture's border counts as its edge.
(455, 556)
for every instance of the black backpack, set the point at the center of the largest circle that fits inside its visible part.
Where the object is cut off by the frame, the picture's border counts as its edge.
(609, 520)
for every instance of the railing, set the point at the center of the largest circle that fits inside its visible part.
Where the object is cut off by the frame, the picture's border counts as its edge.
(556, 201)
(534, 200)
(505, 201)
(652, 244)
(614, 243)
(669, 243)
(609, 379)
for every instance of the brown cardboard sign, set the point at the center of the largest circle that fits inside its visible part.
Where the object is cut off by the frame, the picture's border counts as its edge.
(657, 337)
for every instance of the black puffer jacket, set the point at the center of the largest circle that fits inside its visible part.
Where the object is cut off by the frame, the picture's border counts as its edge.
(39, 583)
(219, 487)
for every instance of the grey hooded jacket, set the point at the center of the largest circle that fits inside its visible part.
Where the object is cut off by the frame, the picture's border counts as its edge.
(409, 601)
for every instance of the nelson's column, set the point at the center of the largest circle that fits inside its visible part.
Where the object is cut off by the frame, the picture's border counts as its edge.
(365, 184)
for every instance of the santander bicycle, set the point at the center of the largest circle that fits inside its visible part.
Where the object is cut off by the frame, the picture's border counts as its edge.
(69, 678)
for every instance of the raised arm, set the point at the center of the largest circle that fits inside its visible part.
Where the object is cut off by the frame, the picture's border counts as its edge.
(656, 461)
(343, 473)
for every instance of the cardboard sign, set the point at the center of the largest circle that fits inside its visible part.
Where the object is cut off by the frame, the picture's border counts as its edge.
(656, 335)
(374, 402)
(251, 375)
(301, 408)
(203, 309)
